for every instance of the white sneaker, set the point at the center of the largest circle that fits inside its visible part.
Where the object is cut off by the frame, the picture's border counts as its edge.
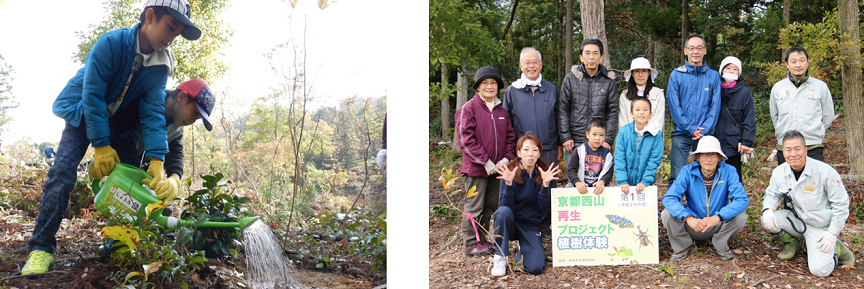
(499, 265)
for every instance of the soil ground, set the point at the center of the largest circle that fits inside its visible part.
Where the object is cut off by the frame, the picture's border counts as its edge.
(755, 264)
(76, 265)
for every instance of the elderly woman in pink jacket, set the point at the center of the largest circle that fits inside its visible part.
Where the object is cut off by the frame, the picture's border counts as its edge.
(486, 137)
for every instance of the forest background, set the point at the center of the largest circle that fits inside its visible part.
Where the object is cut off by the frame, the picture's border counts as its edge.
(467, 34)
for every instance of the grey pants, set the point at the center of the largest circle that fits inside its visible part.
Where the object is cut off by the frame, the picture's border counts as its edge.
(821, 264)
(481, 206)
(681, 236)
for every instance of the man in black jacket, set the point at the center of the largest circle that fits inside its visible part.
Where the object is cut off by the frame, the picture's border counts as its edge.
(589, 91)
(184, 105)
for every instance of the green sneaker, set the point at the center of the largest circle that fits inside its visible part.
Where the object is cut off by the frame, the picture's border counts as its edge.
(37, 263)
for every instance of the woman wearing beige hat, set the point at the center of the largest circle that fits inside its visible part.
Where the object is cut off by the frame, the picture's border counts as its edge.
(640, 79)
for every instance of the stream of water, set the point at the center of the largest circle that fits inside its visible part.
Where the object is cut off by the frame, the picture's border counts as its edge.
(266, 266)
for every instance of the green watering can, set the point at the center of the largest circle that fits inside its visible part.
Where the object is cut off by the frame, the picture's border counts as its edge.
(123, 191)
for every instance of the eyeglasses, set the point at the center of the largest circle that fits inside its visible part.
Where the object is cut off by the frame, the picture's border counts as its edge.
(535, 62)
(595, 53)
(696, 48)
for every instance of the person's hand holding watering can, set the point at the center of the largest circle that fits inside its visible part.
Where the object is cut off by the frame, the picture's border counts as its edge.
(166, 188)
(103, 162)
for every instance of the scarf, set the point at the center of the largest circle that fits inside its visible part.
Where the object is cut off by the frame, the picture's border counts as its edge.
(523, 81)
(730, 85)
(797, 81)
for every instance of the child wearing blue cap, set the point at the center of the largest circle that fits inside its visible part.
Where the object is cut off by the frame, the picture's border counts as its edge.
(125, 66)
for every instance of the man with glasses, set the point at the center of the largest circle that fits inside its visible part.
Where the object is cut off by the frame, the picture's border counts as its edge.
(693, 96)
(532, 103)
(816, 208)
(802, 103)
(589, 91)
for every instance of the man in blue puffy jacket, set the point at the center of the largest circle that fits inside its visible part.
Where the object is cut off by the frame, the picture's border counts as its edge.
(708, 184)
(125, 66)
(693, 96)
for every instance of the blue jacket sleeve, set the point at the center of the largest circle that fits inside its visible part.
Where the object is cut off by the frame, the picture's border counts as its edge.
(98, 71)
(672, 199)
(672, 99)
(711, 119)
(544, 198)
(621, 157)
(153, 131)
(654, 159)
(507, 195)
(739, 198)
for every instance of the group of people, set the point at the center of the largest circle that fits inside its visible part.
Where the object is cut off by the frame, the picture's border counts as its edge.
(511, 150)
(119, 104)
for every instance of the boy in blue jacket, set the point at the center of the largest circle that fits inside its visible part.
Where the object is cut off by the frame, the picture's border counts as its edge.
(708, 184)
(638, 148)
(125, 66)
(593, 165)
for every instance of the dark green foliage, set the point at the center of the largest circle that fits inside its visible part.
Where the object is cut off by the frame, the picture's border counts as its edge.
(334, 236)
(211, 204)
(174, 262)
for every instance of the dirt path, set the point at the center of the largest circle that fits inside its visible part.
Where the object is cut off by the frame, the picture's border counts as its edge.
(755, 264)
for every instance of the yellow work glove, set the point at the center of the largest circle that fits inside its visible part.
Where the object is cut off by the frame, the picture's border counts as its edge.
(103, 162)
(166, 189)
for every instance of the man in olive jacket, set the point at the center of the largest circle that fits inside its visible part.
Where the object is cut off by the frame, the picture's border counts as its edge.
(589, 91)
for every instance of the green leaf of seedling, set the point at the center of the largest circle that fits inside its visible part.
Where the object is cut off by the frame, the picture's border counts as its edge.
(244, 200)
(200, 192)
(188, 182)
(203, 217)
(319, 265)
(225, 249)
(327, 259)
(199, 260)
(233, 252)
(354, 225)
(198, 241)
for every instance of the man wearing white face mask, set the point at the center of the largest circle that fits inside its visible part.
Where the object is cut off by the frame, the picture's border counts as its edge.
(736, 124)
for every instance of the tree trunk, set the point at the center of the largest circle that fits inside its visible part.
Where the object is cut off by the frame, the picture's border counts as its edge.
(512, 14)
(649, 53)
(658, 40)
(445, 103)
(853, 105)
(568, 39)
(594, 25)
(461, 95)
(562, 31)
(685, 22)
(787, 5)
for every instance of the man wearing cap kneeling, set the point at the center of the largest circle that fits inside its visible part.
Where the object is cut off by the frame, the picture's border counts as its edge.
(817, 206)
(708, 185)
(192, 100)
